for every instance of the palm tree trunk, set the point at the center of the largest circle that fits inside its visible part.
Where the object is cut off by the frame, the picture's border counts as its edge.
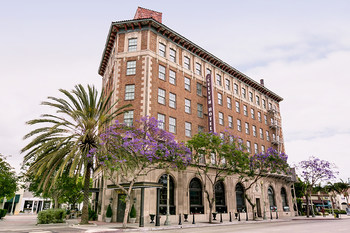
(85, 212)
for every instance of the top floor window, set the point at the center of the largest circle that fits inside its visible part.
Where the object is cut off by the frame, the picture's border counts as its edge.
(251, 96)
(161, 49)
(236, 88)
(131, 68)
(218, 80)
(208, 71)
(132, 45)
(172, 55)
(198, 68)
(244, 94)
(264, 103)
(257, 98)
(187, 63)
(227, 84)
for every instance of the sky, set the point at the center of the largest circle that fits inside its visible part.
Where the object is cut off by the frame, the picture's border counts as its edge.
(300, 48)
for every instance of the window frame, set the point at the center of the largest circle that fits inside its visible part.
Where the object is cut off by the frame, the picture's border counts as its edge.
(162, 49)
(129, 95)
(131, 67)
(160, 97)
(132, 47)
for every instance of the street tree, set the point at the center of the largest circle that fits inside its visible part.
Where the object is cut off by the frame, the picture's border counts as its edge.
(263, 165)
(215, 158)
(342, 188)
(314, 171)
(129, 152)
(65, 139)
(8, 179)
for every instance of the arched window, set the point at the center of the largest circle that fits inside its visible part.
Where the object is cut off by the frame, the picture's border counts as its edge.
(284, 199)
(220, 203)
(163, 195)
(196, 201)
(271, 195)
(240, 203)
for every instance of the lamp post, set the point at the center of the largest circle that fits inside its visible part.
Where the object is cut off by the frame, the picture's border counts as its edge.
(262, 195)
(167, 221)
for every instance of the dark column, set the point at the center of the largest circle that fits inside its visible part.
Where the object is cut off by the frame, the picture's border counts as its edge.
(157, 210)
(141, 224)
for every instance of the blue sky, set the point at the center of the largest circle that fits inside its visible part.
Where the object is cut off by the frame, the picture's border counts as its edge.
(300, 48)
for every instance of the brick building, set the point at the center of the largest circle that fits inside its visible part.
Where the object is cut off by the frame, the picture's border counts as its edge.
(163, 74)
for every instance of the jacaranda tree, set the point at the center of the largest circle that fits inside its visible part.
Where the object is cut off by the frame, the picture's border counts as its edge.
(312, 172)
(215, 158)
(129, 152)
(261, 165)
(64, 140)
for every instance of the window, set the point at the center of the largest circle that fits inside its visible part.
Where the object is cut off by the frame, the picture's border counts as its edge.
(273, 137)
(248, 147)
(198, 68)
(212, 158)
(187, 62)
(257, 98)
(172, 125)
(271, 195)
(161, 49)
(161, 121)
(196, 196)
(172, 77)
(172, 55)
(284, 199)
(265, 119)
(200, 110)
(128, 118)
(252, 112)
(199, 89)
(161, 96)
(227, 84)
(218, 80)
(187, 106)
(267, 136)
(264, 103)
(263, 148)
(220, 204)
(259, 116)
(254, 130)
(239, 126)
(187, 84)
(261, 132)
(240, 199)
(247, 128)
(131, 68)
(251, 96)
(229, 103)
(245, 110)
(208, 71)
(243, 93)
(188, 129)
(161, 72)
(220, 98)
(200, 129)
(129, 92)
(163, 195)
(256, 150)
(230, 121)
(237, 106)
(270, 106)
(172, 100)
(132, 44)
(236, 88)
(221, 118)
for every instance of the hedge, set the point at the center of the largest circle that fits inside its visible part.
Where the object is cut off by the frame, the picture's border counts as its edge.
(3, 213)
(51, 216)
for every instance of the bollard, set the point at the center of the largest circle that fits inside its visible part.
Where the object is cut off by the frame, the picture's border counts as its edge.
(239, 216)
(271, 214)
(230, 217)
(220, 217)
(180, 223)
(193, 221)
(185, 217)
(276, 214)
(157, 220)
(246, 216)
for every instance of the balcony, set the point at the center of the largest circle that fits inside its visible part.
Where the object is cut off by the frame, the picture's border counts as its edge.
(274, 125)
(276, 141)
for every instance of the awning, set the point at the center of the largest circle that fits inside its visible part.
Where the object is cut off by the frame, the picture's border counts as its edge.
(137, 185)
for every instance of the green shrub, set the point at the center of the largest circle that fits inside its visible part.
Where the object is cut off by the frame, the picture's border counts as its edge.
(109, 212)
(92, 215)
(51, 216)
(133, 212)
(3, 213)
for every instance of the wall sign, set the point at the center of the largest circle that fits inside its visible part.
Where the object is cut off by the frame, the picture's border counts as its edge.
(210, 102)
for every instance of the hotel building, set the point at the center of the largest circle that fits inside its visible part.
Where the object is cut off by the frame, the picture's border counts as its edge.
(163, 74)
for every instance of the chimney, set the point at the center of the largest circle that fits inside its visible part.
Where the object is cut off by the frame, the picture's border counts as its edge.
(143, 13)
(262, 82)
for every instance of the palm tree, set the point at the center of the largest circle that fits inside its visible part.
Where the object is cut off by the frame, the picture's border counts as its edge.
(63, 141)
